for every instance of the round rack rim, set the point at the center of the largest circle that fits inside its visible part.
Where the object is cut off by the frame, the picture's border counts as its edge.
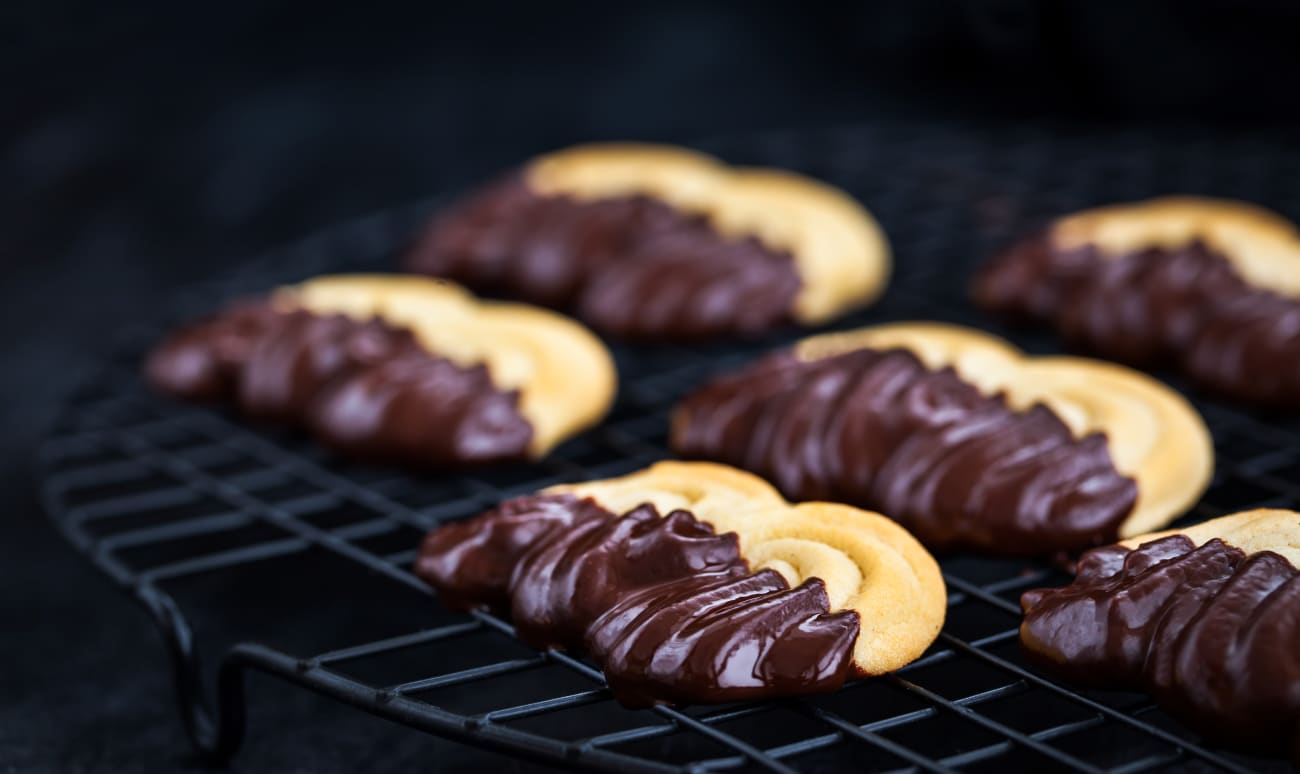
(110, 409)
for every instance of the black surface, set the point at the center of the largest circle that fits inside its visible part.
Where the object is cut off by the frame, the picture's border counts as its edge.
(145, 146)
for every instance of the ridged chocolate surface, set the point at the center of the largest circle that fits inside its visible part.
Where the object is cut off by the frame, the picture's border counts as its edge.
(1211, 633)
(365, 388)
(878, 429)
(668, 608)
(1186, 306)
(631, 266)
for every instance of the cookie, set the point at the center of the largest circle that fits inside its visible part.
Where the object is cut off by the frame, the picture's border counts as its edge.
(963, 439)
(1211, 286)
(396, 368)
(1205, 619)
(697, 583)
(650, 242)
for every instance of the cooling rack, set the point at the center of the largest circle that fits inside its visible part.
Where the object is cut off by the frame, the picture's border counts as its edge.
(254, 544)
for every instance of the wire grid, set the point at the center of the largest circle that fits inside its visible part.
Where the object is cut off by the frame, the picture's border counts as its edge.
(160, 494)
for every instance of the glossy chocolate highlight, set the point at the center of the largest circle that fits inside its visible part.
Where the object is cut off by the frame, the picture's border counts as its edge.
(365, 388)
(1186, 306)
(630, 266)
(878, 429)
(669, 609)
(1210, 632)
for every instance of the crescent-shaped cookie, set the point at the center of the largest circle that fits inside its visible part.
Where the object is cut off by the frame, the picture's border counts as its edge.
(1206, 619)
(695, 582)
(397, 367)
(1210, 285)
(966, 441)
(652, 241)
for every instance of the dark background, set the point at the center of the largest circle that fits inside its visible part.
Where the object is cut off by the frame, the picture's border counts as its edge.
(147, 146)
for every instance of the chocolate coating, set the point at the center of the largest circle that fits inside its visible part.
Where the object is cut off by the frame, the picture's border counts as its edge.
(1186, 306)
(878, 429)
(365, 388)
(203, 361)
(668, 608)
(1211, 633)
(631, 266)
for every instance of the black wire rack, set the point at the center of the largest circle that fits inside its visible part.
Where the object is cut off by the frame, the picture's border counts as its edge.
(225, 531)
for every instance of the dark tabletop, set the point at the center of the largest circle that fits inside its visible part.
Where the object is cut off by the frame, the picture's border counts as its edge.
(149, 146)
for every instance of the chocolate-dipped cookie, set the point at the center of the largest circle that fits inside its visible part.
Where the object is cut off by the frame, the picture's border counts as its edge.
(651, 242)
(697, 583)
(1205, 619)
(1212, 286)
(396, 368)
(960, 437)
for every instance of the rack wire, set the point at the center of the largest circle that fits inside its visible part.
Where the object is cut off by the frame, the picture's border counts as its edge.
(222, 530)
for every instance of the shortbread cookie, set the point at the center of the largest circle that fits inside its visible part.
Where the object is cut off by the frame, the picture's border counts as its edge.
(396, 368)
(649, 241)
(960, 437)
(1205, 619)
(1210, 285)
(731, 594)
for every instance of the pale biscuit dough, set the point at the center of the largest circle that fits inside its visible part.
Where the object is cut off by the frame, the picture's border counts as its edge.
(1263, 246)
(1154, 435)
(868, 562)
(1264, 529)
(840, 252)
(564, 374)
(680, 177)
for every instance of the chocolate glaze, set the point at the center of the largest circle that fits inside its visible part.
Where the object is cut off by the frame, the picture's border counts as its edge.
(1186, 306)
(363, 387)
(631, 266)
(668, 608)
(878, 429)
(1211, 633)
(203, 361)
